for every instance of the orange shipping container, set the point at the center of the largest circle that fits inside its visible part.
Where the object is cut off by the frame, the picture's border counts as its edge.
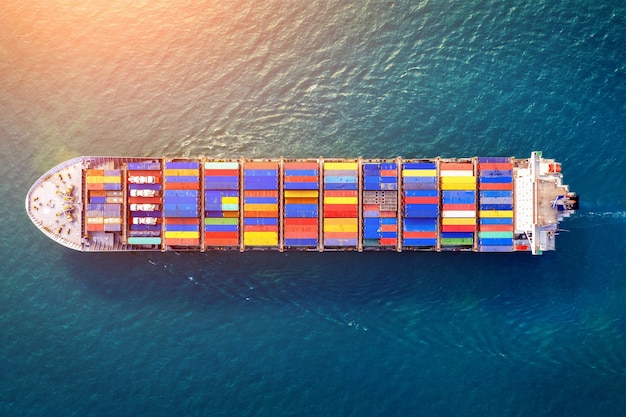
(456, 166)
(340, 193)
(260, 193)
(221, 242)
(260, 165)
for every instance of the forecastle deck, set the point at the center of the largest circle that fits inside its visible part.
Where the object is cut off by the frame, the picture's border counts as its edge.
(494, 204)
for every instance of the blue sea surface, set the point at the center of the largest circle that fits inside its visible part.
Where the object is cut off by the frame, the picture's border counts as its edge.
(309, 334)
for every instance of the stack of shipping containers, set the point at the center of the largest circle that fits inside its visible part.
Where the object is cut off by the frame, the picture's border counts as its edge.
(301, 199)
(341, 207)
(495, 233)
(144, 234)
(420, 195)
(380, 204)
(260, 204)
(221, 205)
(458, 185)
(181, 203)
(104, 200)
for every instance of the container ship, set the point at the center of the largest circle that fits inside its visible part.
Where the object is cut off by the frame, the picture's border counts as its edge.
(479, 204)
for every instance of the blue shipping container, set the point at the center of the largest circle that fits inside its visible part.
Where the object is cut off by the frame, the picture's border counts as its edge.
(182, 165)
(300, 242)
(419, 242)
(419, 165)
(182, 227)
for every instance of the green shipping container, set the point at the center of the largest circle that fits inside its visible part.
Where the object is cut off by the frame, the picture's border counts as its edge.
(457, 241)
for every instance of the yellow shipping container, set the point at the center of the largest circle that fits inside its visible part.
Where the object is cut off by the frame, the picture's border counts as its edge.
(458, 221)
(95, 179)
(503, 214)
(260, 238)
(301, 193)
(340, 166)
(260, 207)
(341, 200)
(116, 179)
(230, 200)
(459, 180)
(419, 173)
(341, 225)
(451, 183)
(342, 220)
(182, 235)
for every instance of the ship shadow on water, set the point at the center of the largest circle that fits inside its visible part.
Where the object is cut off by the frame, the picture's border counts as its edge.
(355, 278)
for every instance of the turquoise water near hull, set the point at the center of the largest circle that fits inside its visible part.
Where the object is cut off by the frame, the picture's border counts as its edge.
(341, 334)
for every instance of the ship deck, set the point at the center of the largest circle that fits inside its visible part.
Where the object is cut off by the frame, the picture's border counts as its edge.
(493, 204)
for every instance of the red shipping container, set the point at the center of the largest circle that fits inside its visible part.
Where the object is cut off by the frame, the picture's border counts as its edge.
(340, 210)
(421, 200)
(496, 186)
(419, 235)
(301, 228)
(388, 241)
(388, 173)
(221, 242)
(181, 220)
(496, 227)
(182, 186)
(522, 247)
(494, 166)
(221, 235)
(301, 179)
(301, 165)
(98, 193)
(221, 172)
(387, 214)
(388, 228)
(145, 173)
(144, 200)
(256, 214)
(289, 234)
(301, 221)
(457, 228)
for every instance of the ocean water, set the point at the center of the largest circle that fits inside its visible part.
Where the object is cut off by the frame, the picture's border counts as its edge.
(336, 334)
